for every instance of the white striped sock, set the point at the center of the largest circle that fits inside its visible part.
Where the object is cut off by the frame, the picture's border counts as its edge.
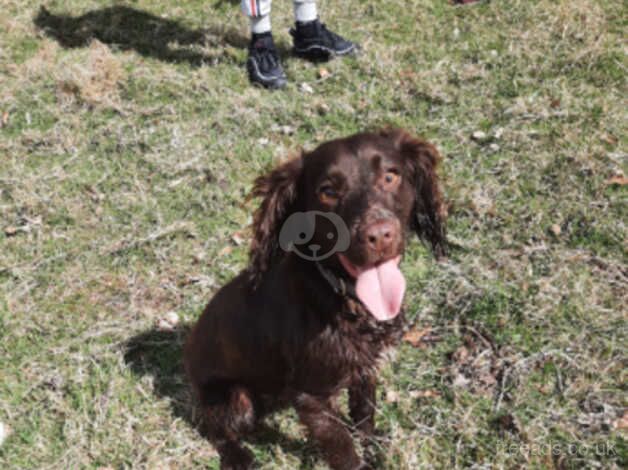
(260, 24)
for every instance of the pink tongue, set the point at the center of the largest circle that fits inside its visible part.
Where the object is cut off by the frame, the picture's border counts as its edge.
(381, 289)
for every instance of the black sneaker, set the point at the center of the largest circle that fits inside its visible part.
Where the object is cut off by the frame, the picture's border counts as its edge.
(263, 62)
(312, 40)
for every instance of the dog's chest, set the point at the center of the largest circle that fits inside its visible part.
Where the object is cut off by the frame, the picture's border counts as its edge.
(349, 348)
(366, 342)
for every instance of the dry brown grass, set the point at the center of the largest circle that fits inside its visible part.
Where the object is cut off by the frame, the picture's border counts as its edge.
(94, 80)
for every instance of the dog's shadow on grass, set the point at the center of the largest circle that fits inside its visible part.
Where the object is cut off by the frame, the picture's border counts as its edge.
(158, 354)
(128, 28)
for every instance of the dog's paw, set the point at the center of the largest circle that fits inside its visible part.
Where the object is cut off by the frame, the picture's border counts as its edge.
(237, 459)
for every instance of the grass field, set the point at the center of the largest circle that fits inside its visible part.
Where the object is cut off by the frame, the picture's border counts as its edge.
(129, 138)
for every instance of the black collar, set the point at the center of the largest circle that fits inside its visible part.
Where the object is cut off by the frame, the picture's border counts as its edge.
(344, 289)
(338, 284)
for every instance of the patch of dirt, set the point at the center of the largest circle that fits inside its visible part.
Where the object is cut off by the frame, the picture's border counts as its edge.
(94, 81)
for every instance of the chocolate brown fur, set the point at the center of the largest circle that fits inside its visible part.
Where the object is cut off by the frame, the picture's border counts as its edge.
(277, 335)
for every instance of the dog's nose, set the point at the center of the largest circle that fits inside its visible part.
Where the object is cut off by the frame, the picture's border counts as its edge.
(381, 236)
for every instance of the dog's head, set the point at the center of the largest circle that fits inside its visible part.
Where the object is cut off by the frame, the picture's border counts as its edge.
(349, 203)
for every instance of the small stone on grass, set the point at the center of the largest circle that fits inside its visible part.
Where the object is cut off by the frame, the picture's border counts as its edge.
(4, 432)
(479, 136)
(306, 88)
(392, 396)
(168, 322)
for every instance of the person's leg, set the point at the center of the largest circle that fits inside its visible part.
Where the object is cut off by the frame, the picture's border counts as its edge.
(263, 63)
(305, 10)
(258, 12)
(312, 40)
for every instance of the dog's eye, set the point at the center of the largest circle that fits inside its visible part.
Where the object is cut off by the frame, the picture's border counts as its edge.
(327, 194)
(391, 179)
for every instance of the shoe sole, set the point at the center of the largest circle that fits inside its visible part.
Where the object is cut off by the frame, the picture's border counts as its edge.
(321, 51)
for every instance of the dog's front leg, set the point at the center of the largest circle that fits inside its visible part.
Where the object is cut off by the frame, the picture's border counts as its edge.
(362, 406)
(362, 411)
(326, 428)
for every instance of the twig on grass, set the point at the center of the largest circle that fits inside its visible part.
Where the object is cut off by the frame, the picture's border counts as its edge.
(177, 227)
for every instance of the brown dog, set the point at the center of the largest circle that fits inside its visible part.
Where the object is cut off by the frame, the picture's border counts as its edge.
(321, 298)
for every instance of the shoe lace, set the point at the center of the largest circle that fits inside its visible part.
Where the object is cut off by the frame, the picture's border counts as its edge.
(267, 53)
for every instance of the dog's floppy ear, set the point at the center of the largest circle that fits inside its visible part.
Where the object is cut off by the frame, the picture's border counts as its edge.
(428, 217)
(278, 191)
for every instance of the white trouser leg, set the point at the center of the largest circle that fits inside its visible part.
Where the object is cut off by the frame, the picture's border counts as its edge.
(252, 8)
(258, 12)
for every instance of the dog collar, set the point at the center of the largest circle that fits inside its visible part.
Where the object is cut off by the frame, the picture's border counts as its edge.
(338, 284)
